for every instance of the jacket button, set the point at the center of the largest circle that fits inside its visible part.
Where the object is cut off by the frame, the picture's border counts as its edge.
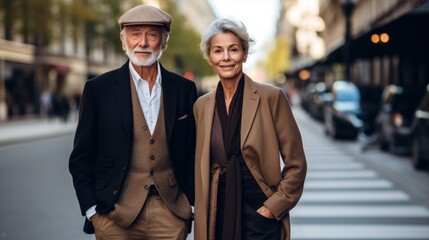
(151, 172)
(146, 187)
(124, 167)
(145, 128)
(152, 141)
(152, 157)
(115, 192)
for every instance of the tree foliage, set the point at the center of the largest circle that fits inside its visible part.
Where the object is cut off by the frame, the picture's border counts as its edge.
(278, 58)
(183, 52)
(42, 21)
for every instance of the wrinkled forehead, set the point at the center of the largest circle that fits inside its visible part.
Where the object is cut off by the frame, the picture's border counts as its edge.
(225, 39)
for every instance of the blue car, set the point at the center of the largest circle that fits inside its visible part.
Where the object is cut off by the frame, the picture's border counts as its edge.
(343, 111)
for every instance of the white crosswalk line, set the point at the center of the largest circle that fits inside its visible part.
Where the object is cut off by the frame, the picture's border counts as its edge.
(348, 184)
(341, 174)
(353, 196)
(338, 231)
(361, 211)
(335, 166)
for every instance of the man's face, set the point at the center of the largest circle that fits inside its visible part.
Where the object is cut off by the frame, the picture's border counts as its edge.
(142, 44)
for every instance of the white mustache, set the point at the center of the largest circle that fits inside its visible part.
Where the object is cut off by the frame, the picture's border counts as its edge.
(138, 49)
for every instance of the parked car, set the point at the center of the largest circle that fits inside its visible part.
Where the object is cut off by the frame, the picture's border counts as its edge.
(306, 95)
(317, 101)
(342, 111)
(313, 99)
(394, 120)
(420, 141)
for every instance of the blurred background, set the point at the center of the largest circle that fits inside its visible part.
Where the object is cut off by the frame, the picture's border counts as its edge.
(54, 46)
(356, 73)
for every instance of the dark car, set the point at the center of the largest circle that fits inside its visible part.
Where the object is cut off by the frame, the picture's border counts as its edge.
(395, 118)
(313, 99)
(343, 112)
(318, 101)
(306, 95)
(420, 141)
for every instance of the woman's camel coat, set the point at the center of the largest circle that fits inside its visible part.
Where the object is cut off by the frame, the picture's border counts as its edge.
(268, 131)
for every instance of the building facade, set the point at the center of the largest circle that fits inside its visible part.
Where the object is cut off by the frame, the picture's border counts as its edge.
(83, 43)
(369, 42)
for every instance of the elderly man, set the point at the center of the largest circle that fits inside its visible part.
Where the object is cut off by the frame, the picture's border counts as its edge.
(132, 162)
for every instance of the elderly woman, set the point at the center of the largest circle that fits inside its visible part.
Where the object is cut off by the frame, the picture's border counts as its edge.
(243, 128)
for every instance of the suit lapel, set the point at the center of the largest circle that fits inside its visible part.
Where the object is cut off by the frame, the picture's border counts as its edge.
(250, 106)
(122, 92)
(169, 94)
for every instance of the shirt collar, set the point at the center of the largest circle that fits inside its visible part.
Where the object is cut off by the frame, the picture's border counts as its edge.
(136, 76)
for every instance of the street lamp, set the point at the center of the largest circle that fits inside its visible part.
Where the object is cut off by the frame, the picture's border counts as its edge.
(348, 7)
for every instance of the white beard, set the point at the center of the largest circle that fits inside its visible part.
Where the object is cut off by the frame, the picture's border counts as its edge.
(143, 63)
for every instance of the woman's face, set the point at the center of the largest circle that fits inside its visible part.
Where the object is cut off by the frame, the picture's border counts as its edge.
(227, 55)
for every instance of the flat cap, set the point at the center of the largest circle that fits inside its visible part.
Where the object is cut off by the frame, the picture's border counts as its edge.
(145, 15)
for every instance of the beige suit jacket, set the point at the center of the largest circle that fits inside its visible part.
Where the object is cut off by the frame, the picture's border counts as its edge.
(268, 132)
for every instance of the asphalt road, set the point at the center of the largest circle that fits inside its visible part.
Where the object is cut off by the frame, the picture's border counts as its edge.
(348, 194)
(38, 201)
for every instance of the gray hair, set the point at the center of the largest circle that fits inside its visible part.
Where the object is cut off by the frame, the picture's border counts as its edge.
(224, 25)
(165, 35)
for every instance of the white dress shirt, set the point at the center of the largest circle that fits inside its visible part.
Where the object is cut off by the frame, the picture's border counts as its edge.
(149, 101)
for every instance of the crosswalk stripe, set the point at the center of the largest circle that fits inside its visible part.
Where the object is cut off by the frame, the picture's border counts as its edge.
(360, 211)
(353, 196)
(335, 166)
(337, 231)
(341, 174)
(327, 159)
(347, 184)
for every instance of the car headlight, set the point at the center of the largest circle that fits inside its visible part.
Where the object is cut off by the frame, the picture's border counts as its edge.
(397, 119)
(353, 119)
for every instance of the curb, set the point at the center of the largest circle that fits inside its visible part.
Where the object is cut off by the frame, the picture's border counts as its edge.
(25, 133)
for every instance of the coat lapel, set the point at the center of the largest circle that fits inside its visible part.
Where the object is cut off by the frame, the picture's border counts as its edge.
(250, 106)
(208, 108)
(122, 92)
(208, 115)
(169, 94)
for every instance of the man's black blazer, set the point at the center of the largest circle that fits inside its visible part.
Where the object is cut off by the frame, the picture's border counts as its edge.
(103, 140)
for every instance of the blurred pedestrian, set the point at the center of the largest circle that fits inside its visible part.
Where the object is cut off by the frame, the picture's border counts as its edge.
(133, 156)
(76, 99)
(46, 103)
(243, 127)
(61, 105)
(75, 104)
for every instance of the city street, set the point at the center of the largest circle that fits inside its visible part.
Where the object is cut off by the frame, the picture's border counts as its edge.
(350, 68)
(349, 194)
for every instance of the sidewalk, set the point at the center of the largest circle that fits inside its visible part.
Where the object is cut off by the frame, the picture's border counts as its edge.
(27, 130)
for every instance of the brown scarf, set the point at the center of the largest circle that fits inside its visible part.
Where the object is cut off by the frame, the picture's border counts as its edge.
(231, 125)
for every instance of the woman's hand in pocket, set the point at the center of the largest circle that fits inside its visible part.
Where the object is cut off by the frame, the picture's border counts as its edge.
(264, 211)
